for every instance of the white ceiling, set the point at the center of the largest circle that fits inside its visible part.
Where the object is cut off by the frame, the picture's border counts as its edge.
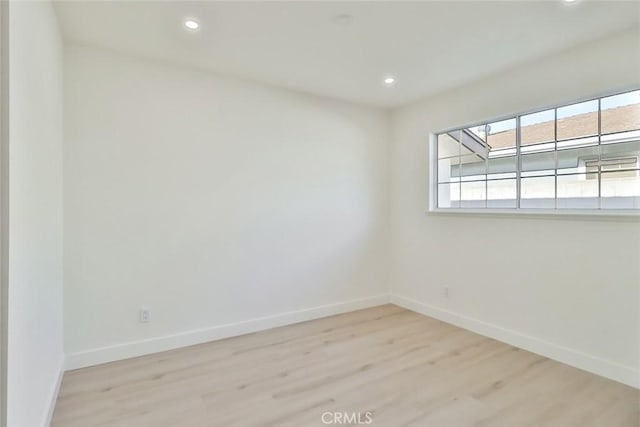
(427, 46)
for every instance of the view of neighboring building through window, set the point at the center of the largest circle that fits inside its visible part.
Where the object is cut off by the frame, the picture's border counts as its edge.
(579, 156)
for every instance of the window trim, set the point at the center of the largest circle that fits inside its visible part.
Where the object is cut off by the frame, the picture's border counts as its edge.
(432, 176)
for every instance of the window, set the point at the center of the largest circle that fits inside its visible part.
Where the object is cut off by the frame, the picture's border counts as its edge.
(583, 156)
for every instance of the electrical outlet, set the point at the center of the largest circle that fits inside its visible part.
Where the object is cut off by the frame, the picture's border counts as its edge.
(145, 315)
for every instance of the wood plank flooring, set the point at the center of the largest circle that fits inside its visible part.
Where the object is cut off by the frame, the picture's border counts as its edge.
(402, 367)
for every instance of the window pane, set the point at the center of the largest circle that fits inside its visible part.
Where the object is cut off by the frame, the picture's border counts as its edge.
(472, 168)
(502, 137)
(578, 191)
(578, 160)
(620, 137)
(537, 148)
(620, 113)
(479, 132)
(502, 167)
(473, 194)
(545, 162)
(578, 120)
(448, 145)
(502, 160)
(620, 190)
(448, 169)
(449, 195)
(538, 192)
(471, 144)
(537, 127)
(579, 142)
(501, 193)
(622, 155)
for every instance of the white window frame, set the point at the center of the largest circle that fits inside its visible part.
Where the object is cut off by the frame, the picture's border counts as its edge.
(4, 204)
(432, 163)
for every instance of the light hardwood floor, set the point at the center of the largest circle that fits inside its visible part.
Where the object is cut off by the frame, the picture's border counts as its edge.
(404, 368)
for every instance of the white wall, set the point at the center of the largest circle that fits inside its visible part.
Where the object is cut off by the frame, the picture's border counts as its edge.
(211, 200)
(35, 353)
(214, 200)
(4, 204)
(566, 287)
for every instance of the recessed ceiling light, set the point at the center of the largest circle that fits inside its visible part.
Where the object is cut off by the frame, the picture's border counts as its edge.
(569, 1)
(389, 80)
(191, 24)
(343, 19)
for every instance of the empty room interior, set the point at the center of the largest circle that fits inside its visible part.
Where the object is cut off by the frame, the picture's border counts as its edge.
(309, 213)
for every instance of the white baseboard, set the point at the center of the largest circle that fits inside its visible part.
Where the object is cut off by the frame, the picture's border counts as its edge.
(624, 374)
(154, 345)
(54, 396)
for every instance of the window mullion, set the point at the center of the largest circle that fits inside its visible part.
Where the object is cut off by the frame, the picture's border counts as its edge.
(518, 162)
(599, 154)
(435, 178)
(555, 152)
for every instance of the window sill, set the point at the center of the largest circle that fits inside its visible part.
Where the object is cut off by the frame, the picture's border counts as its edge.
(624, 215)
